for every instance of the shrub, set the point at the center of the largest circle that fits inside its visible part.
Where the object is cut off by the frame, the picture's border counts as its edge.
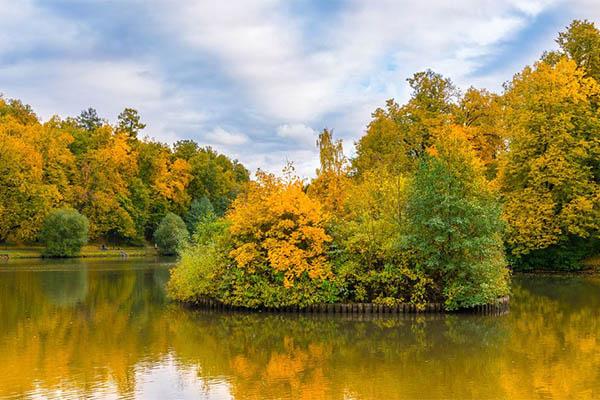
(64, 232)
(171, 234)
(202, 264)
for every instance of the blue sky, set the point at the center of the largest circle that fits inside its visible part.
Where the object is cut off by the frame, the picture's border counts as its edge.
(257, 79)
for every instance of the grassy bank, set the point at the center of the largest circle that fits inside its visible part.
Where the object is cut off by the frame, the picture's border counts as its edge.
(90, 250)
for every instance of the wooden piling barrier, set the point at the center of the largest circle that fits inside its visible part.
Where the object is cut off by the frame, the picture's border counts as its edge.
(356, 310)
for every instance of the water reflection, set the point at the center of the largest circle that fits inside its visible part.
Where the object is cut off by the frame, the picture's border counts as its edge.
(105, 329)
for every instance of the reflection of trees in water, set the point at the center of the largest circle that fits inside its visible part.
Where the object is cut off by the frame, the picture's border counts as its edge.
(64, 288)
(57, 341)
(554, 351)
(544, 346)
(302, 357)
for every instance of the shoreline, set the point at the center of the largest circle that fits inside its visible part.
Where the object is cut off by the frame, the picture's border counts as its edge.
(10, 252)
(498, 307)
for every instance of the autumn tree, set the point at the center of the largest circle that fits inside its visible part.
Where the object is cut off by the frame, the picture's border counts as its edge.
(550, 177)
(103, 186)
(398, 135)
(331, 182)
(480, 113)
(581, 43)
(31, 177)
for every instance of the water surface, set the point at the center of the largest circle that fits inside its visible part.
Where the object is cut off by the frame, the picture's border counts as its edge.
(104, 329)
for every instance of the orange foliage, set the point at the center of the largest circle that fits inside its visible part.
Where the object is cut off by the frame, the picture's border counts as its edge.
(274, 223)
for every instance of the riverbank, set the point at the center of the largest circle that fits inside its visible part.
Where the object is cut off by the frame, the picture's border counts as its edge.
(88, 251)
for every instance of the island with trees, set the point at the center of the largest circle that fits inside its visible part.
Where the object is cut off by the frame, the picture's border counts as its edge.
(445, 194)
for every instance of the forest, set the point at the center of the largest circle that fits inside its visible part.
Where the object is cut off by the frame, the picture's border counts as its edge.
(123, 184)
(445, 194)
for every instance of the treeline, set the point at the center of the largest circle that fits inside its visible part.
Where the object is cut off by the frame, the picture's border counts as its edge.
(444, 193)
(122, 183)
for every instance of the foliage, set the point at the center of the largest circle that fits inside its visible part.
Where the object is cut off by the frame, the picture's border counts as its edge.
(278, 231)
(453, 224)
(199, 273)
(332, 181)
(200, 210)
(122, 184)
(171, 234)
(581, 43)
(550, 178)
(64, 233)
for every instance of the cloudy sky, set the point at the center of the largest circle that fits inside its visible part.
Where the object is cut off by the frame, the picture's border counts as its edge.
(257, 79)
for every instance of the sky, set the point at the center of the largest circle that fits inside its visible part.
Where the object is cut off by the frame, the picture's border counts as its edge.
(258, 79)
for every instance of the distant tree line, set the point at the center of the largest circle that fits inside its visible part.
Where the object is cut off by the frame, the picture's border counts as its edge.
(124, 184)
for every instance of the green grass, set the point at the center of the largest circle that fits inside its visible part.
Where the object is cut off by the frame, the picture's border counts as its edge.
(88, 251)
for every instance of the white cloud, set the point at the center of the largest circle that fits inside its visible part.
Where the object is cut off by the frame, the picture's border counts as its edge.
(298, 133)
(275, 74)
(220, 136)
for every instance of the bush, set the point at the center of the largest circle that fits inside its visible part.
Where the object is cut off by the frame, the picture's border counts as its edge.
(171, 234)
(64, 233)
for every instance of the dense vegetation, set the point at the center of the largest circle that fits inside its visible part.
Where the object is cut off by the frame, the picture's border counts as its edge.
(124, 185)
(64, 233)
(442, 190)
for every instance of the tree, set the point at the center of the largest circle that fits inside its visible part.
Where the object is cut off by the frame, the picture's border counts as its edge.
(200, 210)
(581, 43)
(274, 224)
(332, 181)
(399, 135)
(453, 224)
(129, 122)
(550, 178)
(103, 190)
(171, 234)
(64, 233)
(89, 120)
(480, 112)
(25, 196)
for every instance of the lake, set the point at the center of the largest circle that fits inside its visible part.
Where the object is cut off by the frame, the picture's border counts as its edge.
(104, 329)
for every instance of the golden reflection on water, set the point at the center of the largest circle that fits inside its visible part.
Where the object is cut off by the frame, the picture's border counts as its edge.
(104, 329)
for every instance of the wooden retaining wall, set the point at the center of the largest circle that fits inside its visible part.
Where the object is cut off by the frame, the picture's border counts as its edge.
(500, 306)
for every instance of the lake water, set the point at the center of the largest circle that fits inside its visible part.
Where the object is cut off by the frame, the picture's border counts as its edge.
(104, 329)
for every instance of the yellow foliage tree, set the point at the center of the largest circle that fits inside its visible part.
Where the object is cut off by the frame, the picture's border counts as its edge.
(332, 182)
(27, 193)
(550, 175)
(275, 225)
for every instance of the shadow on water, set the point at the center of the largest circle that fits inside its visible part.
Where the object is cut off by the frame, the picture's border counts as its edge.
(106, 329)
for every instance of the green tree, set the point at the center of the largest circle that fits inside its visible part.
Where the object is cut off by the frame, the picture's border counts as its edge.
(129, 122)
(453, 224)
(200, 210)
(89, 119)
(171, 234)
(64, 233)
